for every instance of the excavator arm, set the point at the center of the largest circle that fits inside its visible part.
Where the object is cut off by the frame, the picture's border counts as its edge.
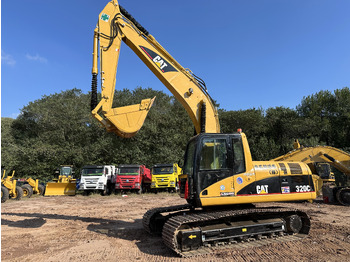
(116, 25)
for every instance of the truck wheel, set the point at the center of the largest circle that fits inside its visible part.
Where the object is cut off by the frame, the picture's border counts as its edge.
(86, 192)
(4, 194)
(19, 193)
(104, 192)
(41, 189)
(108, 190)
(27, 190)
(140, 190)
(177, 187)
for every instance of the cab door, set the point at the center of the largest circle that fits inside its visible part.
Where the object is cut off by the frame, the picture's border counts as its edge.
(213, 164)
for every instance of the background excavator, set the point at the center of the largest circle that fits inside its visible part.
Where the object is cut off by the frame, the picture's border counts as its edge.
(220, 181)
(320, 159)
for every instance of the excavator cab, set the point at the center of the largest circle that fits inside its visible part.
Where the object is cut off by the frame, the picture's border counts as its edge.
(324, 171)
(208, 161)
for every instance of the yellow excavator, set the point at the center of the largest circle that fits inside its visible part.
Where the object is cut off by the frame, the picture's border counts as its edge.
(319, 159)
(63, 183)
(220, 181)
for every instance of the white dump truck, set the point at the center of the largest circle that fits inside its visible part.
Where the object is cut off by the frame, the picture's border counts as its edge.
(98, 178)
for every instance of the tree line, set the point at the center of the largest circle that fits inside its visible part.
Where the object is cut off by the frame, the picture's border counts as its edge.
(59, 129)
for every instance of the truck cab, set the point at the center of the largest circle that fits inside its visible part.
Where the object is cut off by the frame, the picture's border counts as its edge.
(133, 178)
(98, 178)
(165, 177)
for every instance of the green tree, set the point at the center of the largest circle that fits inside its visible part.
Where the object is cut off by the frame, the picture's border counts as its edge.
(328, 114)
(254, 124)
(53, 130)
(8, 146)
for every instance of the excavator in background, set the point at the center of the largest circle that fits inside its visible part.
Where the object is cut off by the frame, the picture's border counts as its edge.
(63, 184)
(220, 181)
(320, 159)
(9, 187)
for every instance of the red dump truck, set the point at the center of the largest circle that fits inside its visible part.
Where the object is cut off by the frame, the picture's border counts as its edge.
(136, 178)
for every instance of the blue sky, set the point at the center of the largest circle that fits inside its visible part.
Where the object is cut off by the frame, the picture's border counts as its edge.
(251, 53)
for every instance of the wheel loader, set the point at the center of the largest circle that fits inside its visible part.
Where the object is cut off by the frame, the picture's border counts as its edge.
(220, 181)
(9, 188)
(63, 183)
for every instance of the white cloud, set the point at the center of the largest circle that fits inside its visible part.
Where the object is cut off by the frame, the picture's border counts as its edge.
(7, 59)
(36, 58)
(14, 115)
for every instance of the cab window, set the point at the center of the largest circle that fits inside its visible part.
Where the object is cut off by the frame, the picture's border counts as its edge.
(238, 156)
(213, 154)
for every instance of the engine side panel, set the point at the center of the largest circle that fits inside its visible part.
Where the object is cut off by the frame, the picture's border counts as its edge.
(266, 182)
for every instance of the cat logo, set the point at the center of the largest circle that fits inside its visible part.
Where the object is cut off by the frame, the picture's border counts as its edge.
(262, 189)
(159, 61)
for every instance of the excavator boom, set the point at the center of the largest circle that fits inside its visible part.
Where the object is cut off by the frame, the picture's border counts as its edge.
(116, 25)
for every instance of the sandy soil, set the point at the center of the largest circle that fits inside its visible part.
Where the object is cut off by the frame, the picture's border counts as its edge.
(96, 228)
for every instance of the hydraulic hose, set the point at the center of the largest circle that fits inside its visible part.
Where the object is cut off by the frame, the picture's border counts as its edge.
(93, 91)
(132, 19)
(203, 117)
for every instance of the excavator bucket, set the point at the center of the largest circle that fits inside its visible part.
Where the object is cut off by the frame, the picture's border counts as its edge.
(126, 121)
(60, 189)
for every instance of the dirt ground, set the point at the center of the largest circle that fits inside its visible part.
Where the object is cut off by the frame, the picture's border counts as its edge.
(97, 228)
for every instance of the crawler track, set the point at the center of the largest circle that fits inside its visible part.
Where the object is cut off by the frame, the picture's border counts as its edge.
(153, 221)
(172, 224)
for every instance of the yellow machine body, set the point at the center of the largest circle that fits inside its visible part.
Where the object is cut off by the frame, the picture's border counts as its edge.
(37, 188)
(116, 25)
(10, 184)
(65, 184)
(319, 154)
(253, 181)
(60, 188)
(218, 170)
(260, 191)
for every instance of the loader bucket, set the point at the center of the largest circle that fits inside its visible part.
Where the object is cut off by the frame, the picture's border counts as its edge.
(60, 189)
(126, 121)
